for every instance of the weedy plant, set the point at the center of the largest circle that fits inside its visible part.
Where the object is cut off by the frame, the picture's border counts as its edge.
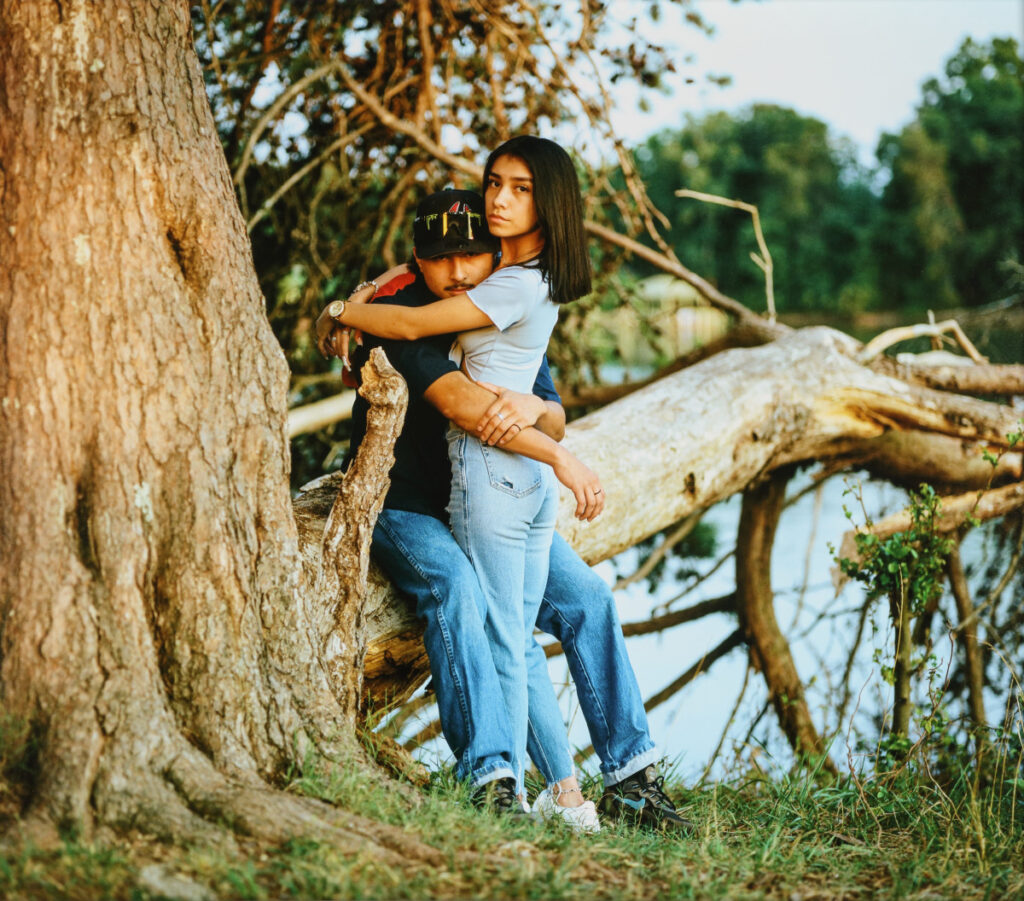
(909, 569)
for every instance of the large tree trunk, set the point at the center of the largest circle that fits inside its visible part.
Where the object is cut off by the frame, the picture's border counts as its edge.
(156, 630)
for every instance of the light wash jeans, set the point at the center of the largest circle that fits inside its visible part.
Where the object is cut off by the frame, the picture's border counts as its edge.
(502, 510)
(420, 556)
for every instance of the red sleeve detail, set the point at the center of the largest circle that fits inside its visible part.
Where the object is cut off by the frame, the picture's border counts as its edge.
(395, 285)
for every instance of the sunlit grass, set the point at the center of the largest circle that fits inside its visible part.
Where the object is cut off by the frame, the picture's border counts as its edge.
(906, 833)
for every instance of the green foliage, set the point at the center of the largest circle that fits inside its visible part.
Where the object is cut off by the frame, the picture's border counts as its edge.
(813, 198)
(908, 563)
(951, 212)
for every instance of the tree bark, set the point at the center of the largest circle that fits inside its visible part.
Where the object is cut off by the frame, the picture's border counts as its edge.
(157, 632)
(341, 577)
(1000, 379)
(703, 434)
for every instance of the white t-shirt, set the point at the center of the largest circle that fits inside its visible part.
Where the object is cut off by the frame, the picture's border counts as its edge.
(509, 353)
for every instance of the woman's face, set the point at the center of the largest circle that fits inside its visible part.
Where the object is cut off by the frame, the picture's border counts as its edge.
(508, 198)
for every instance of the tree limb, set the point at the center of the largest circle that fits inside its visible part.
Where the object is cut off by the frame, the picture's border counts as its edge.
(924, 330)
(769, 650)
(952, 514)
(346, 543)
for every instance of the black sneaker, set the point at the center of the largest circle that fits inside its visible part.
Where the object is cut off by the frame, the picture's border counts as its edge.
(640, 800)
(500, 796)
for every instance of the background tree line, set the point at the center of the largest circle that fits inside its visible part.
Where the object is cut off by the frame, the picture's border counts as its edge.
(937, 223)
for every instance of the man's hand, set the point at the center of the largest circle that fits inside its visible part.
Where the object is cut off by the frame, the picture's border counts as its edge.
(333, 338)
(583, 482)
(508, 415)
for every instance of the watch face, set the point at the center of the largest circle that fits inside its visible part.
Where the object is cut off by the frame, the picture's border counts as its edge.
(335, 307)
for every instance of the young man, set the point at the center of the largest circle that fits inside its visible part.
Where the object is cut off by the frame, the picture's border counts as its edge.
(412, 544)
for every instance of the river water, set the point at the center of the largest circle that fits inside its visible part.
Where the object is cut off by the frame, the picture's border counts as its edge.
(818, 621)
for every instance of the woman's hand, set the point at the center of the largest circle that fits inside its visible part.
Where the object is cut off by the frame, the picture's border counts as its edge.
(332, 338)
(583, 482)
(328, 333)
(510, 413)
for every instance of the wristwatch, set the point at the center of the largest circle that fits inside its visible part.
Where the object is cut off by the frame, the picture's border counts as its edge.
(335, 308)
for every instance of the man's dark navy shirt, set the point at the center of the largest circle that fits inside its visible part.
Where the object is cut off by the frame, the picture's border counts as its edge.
(421, 477)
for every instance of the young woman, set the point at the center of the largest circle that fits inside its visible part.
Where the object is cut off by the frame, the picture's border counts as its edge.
(503, 500)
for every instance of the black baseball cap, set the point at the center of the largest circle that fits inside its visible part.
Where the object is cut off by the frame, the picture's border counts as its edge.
(452, 222)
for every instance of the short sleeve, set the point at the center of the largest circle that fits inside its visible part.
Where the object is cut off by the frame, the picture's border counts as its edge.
(508, 295)
(421, 363)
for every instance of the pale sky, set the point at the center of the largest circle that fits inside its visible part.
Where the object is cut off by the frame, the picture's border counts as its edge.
(856, 64)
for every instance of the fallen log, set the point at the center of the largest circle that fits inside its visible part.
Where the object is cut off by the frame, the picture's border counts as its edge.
(693, 439)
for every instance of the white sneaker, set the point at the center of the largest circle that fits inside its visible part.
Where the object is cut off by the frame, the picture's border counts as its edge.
(582, 819)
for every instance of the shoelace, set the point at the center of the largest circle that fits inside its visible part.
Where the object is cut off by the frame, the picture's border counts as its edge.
(655, 787)
(504, 796)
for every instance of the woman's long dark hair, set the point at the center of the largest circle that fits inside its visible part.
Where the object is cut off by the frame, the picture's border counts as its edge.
(556, 196)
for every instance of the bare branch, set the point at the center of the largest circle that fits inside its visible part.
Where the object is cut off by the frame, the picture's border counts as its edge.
(771, 330)
(656, 556)
(728, 725)
(904, 333)
(703, 665)
(273, 111)
(341, 586)
(408, 129)
(301, 173)
(319, 415)
(763, 262)
(769, 651)
(724, 604)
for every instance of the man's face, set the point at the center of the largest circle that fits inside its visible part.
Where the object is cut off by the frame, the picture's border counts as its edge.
(456, 272)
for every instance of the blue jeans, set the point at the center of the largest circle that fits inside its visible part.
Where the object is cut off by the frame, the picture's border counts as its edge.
(502, 510)
(420, 556)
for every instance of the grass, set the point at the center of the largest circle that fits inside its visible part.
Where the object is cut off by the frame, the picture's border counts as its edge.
(903, 836)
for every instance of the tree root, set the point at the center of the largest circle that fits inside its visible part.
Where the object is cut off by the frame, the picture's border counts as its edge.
(769, 650)
(190, 802)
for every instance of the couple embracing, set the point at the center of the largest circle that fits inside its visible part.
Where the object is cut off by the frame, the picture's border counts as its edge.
(467, 529)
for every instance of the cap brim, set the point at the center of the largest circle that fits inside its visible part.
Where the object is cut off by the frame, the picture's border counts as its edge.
(444, 248)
